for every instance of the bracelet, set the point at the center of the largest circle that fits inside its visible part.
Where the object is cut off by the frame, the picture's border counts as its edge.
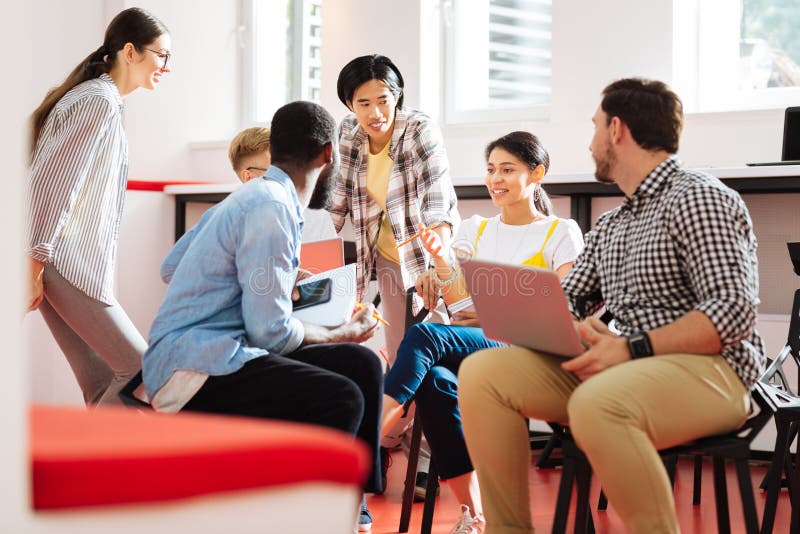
(447, 281)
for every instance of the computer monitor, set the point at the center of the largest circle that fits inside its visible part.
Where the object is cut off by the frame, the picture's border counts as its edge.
(791, 134)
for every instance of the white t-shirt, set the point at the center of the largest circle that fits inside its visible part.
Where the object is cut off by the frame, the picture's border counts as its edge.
(514, 244)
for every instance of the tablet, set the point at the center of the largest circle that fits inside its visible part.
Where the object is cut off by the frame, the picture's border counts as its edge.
(522, 306)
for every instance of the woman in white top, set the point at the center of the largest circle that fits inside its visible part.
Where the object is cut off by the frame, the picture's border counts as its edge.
(78, 176)
(525, 232)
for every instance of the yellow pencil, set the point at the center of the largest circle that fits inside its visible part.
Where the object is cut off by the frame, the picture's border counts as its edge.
(413, 237)
(375, 314)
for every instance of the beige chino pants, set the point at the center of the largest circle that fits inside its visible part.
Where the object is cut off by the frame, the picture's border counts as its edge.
(619, 417)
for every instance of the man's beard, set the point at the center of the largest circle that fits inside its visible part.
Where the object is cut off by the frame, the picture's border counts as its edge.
(603, 165)
(323, 190)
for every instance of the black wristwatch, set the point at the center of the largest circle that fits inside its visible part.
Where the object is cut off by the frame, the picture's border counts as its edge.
(639, 344)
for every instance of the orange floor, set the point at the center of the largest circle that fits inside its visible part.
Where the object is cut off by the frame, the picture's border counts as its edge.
(544, 486)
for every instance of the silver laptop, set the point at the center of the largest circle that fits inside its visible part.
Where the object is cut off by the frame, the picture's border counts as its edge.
(522, 306)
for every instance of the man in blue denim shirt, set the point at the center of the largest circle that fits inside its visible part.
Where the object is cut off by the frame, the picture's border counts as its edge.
(224, 339)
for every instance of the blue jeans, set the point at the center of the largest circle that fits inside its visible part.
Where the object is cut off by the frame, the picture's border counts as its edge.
(426, 368)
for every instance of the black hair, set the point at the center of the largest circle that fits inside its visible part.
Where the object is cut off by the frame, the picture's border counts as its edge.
(133, 25)
(299, 132)
(527, 148)
(365, 68)
(650, 109)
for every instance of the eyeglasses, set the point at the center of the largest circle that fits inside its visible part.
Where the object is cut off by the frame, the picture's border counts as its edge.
(163, 56)
(259, 169)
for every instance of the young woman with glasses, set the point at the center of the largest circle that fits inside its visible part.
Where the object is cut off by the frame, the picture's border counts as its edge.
(78, 176)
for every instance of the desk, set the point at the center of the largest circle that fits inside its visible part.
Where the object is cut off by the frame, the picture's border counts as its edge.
(580, 187)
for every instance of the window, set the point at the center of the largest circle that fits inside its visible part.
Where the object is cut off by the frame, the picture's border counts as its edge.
(739, 54)
(281, 41)
(498, 59)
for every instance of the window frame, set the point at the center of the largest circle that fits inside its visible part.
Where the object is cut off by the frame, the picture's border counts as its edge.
(477, 115)
(246, 36)
(695, 59)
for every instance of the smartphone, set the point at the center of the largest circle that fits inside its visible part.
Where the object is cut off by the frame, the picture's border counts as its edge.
(313, 293)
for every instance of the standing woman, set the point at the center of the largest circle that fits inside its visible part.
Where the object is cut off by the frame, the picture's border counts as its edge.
(395, 176)
(79, 168)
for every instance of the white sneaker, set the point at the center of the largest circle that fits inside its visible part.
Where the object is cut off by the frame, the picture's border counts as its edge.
(466, 524)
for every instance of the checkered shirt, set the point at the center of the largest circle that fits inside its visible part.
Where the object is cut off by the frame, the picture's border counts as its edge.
(682, 242)
(420, 191)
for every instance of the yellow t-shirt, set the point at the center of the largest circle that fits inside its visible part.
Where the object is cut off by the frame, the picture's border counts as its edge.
(379, 169)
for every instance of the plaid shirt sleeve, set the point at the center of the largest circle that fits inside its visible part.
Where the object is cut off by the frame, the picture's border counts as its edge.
(342, 187)
(582, 283)
(434, 186)
(715, 242)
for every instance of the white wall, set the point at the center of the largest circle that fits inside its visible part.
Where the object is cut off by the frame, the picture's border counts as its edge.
(198, 101)
(15, 104)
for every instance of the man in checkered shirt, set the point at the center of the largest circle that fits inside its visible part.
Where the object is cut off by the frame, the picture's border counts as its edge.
(676, 266)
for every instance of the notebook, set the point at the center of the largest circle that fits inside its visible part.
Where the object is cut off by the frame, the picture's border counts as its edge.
(790, 153)
(522, 305)
(339, 309)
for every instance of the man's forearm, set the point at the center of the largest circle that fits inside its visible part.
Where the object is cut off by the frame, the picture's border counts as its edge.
(316, 334)
(694, 333)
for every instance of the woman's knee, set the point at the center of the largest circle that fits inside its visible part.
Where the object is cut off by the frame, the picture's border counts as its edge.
(418, 339)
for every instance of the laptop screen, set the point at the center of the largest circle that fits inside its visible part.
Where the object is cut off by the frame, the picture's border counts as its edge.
(791, 134)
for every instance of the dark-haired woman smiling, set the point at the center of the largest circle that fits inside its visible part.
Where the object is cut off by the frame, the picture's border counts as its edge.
(79, 168)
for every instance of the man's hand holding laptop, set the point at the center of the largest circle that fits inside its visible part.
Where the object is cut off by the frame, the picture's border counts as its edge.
(604, 349)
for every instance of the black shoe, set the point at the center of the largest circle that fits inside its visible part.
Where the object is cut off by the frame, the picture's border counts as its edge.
(421, 487)
(386, 461)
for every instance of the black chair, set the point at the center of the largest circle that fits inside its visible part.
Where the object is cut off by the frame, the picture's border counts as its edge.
(733, 446)
(413, 454)
(787, 416)
(787, 419)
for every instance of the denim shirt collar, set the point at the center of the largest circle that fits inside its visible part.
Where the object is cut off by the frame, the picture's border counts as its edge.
(276, 174)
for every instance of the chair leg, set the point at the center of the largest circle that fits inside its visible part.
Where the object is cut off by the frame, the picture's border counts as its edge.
(411, 473)
(583, 512)
(721, 496)
(602, 501)
(544, 461)
(794, 528)
(671, 464)
(794, 430)
(430, 498)
(772, 466)
(746, 493)
(697, 484)
(772, 480)
(564, 496)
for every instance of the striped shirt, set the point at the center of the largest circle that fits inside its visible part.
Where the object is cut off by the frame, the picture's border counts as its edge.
(77, 187)
(682, 242)
(420, 192)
